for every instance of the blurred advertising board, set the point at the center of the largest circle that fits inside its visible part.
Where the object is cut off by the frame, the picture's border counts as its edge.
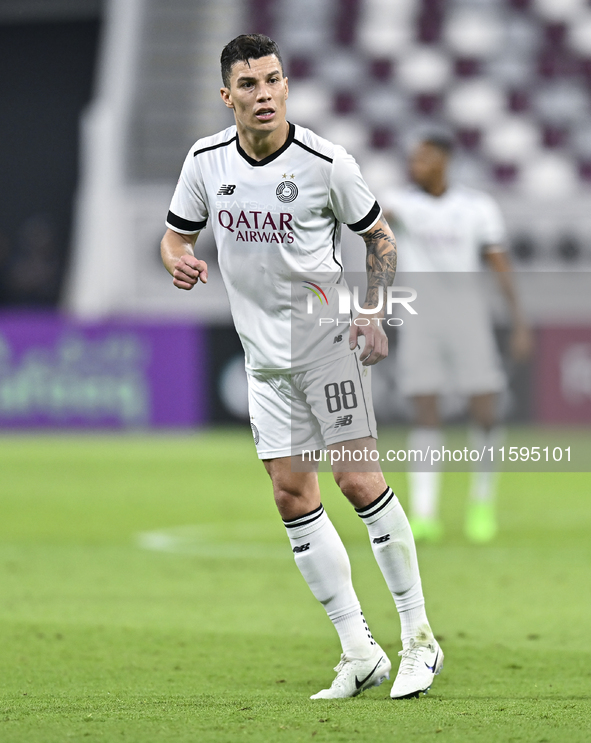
(563, 385)
(57, 372)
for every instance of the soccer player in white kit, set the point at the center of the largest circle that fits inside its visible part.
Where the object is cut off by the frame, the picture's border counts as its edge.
(443, 229)
(276, 195)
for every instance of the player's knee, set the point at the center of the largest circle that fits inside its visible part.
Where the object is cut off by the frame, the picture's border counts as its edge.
(352, 484)
(287, 492)
(284, 498)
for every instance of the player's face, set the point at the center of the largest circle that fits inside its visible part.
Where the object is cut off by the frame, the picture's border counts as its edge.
(427, 163)
(257, 93)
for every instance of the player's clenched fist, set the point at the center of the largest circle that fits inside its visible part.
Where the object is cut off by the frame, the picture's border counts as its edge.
(188, 270)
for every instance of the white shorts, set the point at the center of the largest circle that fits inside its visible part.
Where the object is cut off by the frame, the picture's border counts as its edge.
(307, 411)
(435, 357)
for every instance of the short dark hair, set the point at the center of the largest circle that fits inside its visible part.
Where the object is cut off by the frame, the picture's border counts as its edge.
(440, 140)
(245, 47)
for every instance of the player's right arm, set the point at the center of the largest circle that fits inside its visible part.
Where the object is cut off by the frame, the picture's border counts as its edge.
(521, 343)
(179, 259)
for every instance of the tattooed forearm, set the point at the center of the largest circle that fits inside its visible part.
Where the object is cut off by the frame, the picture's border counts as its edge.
(380, 261)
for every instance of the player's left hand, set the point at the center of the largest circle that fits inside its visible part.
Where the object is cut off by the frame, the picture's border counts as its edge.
(376, 340)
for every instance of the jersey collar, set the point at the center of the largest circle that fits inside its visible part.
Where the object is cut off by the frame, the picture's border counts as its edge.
(272, 156)
(417, 189)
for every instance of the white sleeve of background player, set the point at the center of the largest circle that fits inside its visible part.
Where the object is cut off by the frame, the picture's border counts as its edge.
(349, 197)
(188, 208)
(492, 225)
(392, 202)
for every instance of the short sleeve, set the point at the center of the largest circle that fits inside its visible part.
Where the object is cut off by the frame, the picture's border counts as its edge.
(350, 199)
(492, 225)
(188, 209)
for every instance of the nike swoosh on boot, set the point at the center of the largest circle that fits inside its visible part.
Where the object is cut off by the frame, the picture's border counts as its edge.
(358, 683)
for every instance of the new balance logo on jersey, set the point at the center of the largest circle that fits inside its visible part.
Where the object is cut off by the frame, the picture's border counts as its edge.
(302, 547)
(337, 339)
(226, 190)
(381, 540)
(343, 420)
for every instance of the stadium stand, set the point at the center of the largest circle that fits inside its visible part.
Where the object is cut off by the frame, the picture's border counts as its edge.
(47, 53)
(511, 80)
(157, 92)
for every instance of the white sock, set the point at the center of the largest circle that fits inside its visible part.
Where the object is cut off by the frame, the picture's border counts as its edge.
(424, 486)
(323, 561)
(483, 481)
(394, 549)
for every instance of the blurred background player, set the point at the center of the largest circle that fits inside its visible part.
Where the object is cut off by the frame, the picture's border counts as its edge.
(448, 229)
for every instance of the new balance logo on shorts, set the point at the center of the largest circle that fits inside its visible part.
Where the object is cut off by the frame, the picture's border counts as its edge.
(381, 540)
(343, 420)
(337, 339)
(226, 190)
(302, 547)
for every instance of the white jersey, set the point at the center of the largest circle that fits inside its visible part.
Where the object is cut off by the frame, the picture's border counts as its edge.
(447, 232)
(272, 219)
(449, 344)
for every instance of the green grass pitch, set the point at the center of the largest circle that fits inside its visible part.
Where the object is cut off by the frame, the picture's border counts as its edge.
(134, 606)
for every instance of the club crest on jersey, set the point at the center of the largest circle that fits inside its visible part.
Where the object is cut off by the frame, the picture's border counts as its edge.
(226, 190)
(287, 191)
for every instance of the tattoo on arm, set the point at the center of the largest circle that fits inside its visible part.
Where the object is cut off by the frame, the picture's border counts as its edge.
(380, 262)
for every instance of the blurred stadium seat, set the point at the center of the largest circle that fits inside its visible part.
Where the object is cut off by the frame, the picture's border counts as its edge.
(510, 80)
